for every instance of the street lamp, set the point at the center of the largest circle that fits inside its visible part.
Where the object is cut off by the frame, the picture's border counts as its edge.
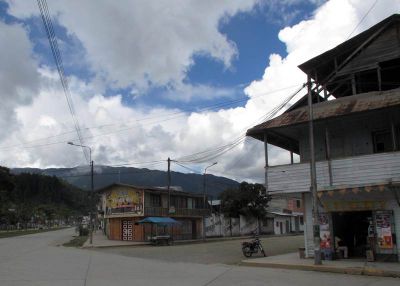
(91, 189)
(205, 197)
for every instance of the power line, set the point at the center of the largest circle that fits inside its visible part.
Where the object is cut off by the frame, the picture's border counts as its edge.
(23, 146)
(362, 19)
(47, 22)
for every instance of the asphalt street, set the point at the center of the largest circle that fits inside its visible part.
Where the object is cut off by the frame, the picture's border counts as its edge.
(216, 252)
(39, 260)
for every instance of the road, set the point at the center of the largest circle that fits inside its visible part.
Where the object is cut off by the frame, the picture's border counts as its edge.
(38, 260)
(222, 252)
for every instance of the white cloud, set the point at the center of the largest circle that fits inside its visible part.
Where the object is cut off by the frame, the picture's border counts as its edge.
(142, 43)
(157, 138)
(18, 75)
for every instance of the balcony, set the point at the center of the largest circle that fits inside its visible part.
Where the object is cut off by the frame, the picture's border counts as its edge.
(357, 170)
(158, 211)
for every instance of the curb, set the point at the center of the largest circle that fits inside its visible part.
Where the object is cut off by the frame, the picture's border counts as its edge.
(368, 271)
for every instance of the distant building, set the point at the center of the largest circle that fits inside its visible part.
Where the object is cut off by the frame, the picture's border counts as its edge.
(284, 216)
(355, 89)
(122, 206)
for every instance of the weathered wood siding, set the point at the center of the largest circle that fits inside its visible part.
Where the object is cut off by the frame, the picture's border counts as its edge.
(365, 169)
(384, 47)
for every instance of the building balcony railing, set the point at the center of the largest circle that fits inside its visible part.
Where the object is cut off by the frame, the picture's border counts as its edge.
(158, 211)
(356, 170)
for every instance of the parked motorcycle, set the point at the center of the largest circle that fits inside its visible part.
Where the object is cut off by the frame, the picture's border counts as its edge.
(250, 247)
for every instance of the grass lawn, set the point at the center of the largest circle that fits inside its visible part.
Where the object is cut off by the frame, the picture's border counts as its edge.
(12, 233)
(77, 241)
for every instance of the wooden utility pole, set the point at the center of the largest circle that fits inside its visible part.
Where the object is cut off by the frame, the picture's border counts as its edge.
(313, 178)
(169, 184)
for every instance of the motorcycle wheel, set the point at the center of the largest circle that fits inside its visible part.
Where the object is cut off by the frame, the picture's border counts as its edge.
(247, 251)
(263, 252)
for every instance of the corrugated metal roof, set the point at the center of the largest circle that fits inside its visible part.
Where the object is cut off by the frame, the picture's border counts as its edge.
(329, 109)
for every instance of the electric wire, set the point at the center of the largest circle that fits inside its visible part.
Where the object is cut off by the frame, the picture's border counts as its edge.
(47, 22)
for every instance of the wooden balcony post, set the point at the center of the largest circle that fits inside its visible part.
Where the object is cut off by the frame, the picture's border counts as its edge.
(328, 155)
(266, 160)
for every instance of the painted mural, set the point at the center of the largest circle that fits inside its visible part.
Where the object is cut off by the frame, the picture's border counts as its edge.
(124, 201)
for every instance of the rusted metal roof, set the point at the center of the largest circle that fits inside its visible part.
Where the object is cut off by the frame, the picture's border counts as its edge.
(329, 109)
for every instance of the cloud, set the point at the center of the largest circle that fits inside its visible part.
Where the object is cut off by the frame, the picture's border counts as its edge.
(145, 133)
(143, 43)
(18, 75)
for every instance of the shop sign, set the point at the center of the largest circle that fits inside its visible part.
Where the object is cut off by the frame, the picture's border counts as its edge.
(332, 206)
(383, 224)
(324, 231)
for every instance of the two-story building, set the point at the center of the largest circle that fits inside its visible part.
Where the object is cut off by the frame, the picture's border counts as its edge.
(355, 91)
(122, 206)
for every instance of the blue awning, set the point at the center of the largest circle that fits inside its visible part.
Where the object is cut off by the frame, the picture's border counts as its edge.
(159, 220)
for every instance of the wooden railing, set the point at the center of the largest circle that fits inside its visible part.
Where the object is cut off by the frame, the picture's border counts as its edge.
(356, 170)
(158, 211)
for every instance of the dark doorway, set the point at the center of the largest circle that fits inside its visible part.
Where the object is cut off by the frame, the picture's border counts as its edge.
(352, 229)
(194, 230)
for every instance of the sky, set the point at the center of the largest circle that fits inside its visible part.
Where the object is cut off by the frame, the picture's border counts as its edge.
(156, 79)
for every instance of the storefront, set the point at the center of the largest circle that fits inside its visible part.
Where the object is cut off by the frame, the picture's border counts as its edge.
(123, 206)
(360, 222)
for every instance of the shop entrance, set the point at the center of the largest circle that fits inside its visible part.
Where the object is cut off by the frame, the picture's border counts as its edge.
(352, 229)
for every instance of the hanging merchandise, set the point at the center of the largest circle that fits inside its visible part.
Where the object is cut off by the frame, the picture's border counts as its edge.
(384, 229)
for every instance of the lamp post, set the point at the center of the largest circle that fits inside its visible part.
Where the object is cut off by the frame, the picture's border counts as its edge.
(205, 197)
(91, 190)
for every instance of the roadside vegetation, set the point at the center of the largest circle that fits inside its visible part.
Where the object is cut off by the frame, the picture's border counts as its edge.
(12, 233)
(77, 241)
(34, 201)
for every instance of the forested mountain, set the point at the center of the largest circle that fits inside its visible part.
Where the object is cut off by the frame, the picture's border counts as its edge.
(34, 198)
(80, 177)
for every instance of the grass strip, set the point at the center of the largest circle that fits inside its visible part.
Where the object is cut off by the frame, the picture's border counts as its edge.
(77, 241)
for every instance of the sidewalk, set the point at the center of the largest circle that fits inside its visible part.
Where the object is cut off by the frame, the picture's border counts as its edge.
(100, 240)
(348, 266)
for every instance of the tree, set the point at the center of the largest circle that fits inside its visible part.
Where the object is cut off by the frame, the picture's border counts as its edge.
(249, 200)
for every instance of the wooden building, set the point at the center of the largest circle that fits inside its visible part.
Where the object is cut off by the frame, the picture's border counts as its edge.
(122, 206)
(355, 91)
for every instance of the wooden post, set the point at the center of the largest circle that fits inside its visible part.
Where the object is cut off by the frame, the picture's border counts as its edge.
(394, 136)
(378, 70)
(353, 85)
(328, 155)
(266, 160)
(291, 157)
(313, 178)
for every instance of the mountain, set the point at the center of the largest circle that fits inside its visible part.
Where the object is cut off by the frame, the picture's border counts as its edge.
(104, 175)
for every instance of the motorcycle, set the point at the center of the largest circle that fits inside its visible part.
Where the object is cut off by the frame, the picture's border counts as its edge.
(250, 247)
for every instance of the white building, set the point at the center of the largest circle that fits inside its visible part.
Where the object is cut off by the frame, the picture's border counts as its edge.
(356, 110)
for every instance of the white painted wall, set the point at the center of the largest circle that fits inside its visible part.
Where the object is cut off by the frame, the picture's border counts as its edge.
(359, 170)
(218, 225)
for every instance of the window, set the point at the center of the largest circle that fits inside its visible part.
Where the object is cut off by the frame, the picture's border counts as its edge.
(382, 141)
(298, 204)
(155, 200)
(301, 220)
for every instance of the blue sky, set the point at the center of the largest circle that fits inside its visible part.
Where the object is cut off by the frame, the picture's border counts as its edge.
(254, 33)
(141, 73)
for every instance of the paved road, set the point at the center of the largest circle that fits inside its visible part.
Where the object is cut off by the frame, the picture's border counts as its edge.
(225, 252)
(37, 260)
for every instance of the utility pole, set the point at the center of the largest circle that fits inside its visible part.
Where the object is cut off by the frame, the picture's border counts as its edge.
(169, 184)
(205, 198)
(91, 197)
(313, 178)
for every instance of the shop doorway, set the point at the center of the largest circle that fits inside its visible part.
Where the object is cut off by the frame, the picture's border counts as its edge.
(352, 229)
